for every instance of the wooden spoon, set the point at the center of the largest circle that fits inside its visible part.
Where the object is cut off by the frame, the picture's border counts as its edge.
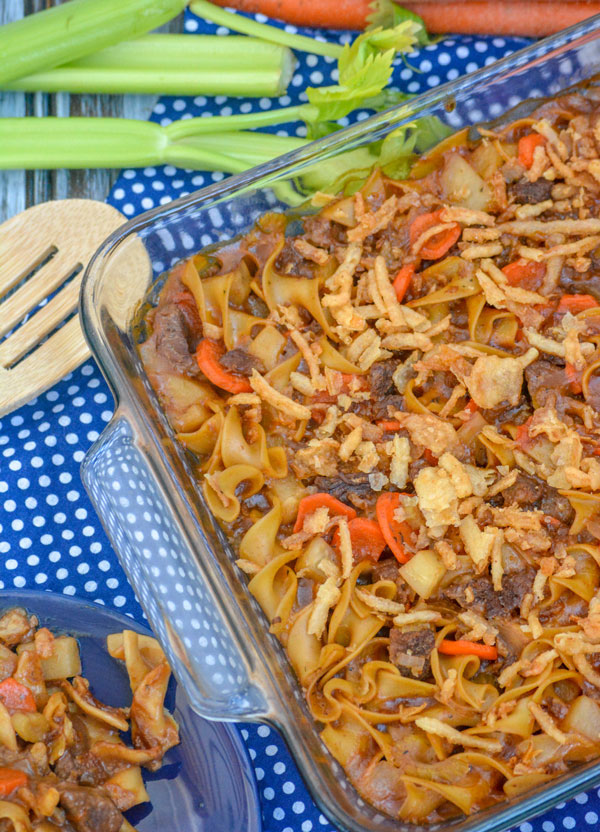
(40, 249)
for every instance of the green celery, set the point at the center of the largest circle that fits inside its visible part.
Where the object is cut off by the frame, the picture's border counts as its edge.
(387, 13)
(173, 65)
(50, 143)
(230, 152)
(364, 71)
(272, 34)
(74, 29)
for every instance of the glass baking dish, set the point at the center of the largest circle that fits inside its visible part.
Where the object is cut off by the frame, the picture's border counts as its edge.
(141, 483)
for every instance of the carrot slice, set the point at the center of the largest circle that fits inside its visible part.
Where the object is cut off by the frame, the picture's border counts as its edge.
(522, 437)
(312, 502)
(15, 696)
(574, 378)
(348, 379)
(389, 425)
(471, 407)
(525, 273)
(366, 538)
(438, 245)
(402, 280)
(526, 148)
(468, 648)
(430, 457)
(394, 532)
(207, 356)
(11, 779)
(576, 303)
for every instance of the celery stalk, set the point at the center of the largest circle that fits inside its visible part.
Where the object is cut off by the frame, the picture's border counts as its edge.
(233, 152)
(50, 143)
(239, 23)
(173, 65)
(74, 29)
(264, 118)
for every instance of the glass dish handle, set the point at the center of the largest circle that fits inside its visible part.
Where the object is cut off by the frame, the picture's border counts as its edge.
(160, 565)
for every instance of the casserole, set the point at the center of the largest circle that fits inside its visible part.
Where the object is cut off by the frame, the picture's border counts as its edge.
(173, 552)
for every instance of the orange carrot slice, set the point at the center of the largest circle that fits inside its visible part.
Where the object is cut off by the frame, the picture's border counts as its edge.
(430, 457)
(389, 425)
(574, 378)
(522, 437)
(312, 502)
(11, 779)
(366, 538)
(576, 303)
(436, 246)
(402, 280)
(525, 273)
(207, 356)
(526, 148)
(394, 532)
(15, 696)
(468, 648)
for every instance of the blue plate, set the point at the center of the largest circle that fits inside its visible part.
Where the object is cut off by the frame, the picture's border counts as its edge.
(206, 783)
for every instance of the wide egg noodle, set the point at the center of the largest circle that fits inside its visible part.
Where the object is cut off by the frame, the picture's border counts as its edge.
(286, 290)
(220, 490)
(275, 587)
(235, 449)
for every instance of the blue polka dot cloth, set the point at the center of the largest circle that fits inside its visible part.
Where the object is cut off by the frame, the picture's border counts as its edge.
(49, 536)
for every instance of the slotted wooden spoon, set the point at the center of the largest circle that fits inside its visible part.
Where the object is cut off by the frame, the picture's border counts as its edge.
(41, 248)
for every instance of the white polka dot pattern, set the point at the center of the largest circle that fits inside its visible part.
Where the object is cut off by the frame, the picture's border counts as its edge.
(50, 537)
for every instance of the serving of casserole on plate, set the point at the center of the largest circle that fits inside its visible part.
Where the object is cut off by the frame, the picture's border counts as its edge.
(384, 405)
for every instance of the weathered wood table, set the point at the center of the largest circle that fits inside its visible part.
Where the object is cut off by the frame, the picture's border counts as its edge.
(19, 189)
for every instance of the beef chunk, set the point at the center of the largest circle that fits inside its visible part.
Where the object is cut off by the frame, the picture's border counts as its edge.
(323, 232)
(531, 193)
(389, 570)
(380, 378)
(545, 379)
(489, 603)
(385, 406)
(530, 492)
(346, 487)
(15, 627)
(386, 570)
(88, 810)
(410, 651)
(290, 261)
(174, 340)
(517, 414)
(85, 768)
(240, 361)
(525, 492)
(555, 505)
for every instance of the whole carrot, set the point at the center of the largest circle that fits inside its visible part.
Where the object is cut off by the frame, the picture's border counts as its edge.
(329, 14)
(531, 18)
